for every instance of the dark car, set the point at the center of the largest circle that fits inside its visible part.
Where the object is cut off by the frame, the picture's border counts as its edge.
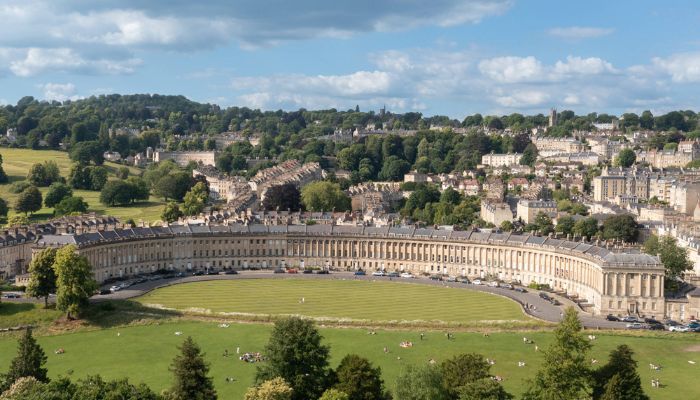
(652, 321)
(360, 272)
(322, 272)
(613, 318)
(198, 273)
(465, 281)
(307, 271)
(435, 277)
(393, 274)
(105, 291)
(212, 272)
(278, 271)
(655, 327)
(12, 296)
(630, 319)
(231, 272)
(520, 289)
(554, 302)
(545, 296)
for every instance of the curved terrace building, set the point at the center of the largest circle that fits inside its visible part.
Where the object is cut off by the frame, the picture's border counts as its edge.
(609, 282)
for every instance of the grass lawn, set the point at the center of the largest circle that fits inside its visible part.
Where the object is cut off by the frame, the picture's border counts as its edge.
(17, 314)
(16, 163)
(143, 353)
(339, 299)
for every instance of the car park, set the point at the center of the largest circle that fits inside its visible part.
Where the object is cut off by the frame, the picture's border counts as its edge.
(378, 273)
(407, 275)
(634, 325)
(360, 273)
(612, 318)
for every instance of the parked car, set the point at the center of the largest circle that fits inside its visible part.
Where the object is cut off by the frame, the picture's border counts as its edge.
(477, 282)
(634, 325)
(278, 271)
(307, 271)
(435, 277)
(451, 279)
(494, 284)
(630, 319)
(520, 289)
(393, 274)
(554, 302)
(360, 272)
(507, 286)
(292, 271)
(407, 275)
(198, 273)
(378, 273)
(545, 296)
(652, 321)
(105, 291)
(465, 281)
(12, 296)
(678, 328)
(231, 272)
(613, 318)
(322, 272)
(115, 288)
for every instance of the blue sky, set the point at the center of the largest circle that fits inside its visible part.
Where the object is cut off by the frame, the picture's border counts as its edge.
(447, 57)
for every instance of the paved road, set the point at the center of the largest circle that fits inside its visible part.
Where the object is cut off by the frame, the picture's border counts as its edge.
(542, 309)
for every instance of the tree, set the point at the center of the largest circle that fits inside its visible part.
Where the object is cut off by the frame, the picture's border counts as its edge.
(29, 362)
(626, 158)
(191, 374)
(394, 168)
(3, 175)
(295, 354)
(618, 376)
(483, 389)
(565, 225)
(116, 192)
(195, 199)
(621, 227)
(44, 174)
(587, 227)
(357, 378)
(674, 258)
(461, 370)
(450, 196)
(57, 192)
(3, 211)
(36, 175)
(324, 196)
(42, 277)
(421, 383)
(173, 186)
(29, 201)
(333, 394)
(171, 212)
(274, 389)
(529, 155)
(282, 197)
(85, 152)
(98, 177)
(123, 173)
(565, 374)
(544, 223)
(506, 226)
(71, 205)
(74, 281)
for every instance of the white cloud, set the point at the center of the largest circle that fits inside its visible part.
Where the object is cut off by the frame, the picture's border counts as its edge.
(682, 67)
(512, 69)
(583, 66)
(59, 91)
(38, 60)
(522, 98)
(580, 32)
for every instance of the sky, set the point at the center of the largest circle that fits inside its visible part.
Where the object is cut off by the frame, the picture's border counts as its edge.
(438, 57)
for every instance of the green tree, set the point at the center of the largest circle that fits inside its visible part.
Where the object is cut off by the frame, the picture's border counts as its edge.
(626, 158)
(74, 281)
(191, 374)
(171, 212)
(529, 155)
(85, 152)
(394, 169)
(461, 370)
(29, 201)
(565, 225)
(196, 199)
(123, 173)
(450, 196)
(3, 175)
(324, 196)
(565, 374)
(587, 227)
(98, 177)
(4, 209)
(273, 389)
(71, 205)
(544, 223)
(620, 376)
(674, 258)
(359, 379)
(282, 197)
(421, 383)
(333, 394)
(483, 389)
(621, 227)
(44, 174)
(29, 362)
(36, 175)
(57, 192)
(295, 354)
(42, 277)
(115, 193)
(506, 226)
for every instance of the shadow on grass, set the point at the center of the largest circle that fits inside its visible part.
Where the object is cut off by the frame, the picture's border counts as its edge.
(8, 309)
(108, 314)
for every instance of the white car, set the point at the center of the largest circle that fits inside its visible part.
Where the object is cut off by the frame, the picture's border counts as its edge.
(678, 328)
(378, 273)
(407, 275)
(493, 284)
(634, 325)
(477, 282)
(115, 288)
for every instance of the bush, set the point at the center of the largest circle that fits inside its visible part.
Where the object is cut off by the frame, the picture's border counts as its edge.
(19, 186)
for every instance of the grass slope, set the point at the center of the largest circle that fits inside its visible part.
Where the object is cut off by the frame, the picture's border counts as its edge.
(339, 299)
(143, 353)
(16, 163)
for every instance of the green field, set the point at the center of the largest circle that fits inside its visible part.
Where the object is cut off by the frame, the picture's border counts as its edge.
(143, 353)
(357, 300)
(16, 163)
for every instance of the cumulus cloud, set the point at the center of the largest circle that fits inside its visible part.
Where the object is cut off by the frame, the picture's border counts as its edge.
(59, 91)
(682, 67)
(37, 60)
(583, 66)
(580, 32)
(512, 69)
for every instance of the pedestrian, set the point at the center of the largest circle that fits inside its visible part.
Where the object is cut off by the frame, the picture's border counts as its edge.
(386, 350)
(238, 350)
(421, 335)
(226, 353)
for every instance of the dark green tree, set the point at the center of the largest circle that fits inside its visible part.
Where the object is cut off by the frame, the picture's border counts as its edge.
(565, 374)
(421, 383)
(191, 374)
(620, 376)
(74, 281)
(86, 152)
(483, 389)
(324, 196)
(626, 158)
(282, 197)
(359, 379)
(295, 354)
(621, 227)
(674, 258)
(4, 210)
(461, 370)
(71, 205)
(57, 192)
(29, 361)
(171, 212)
(29, 201)
(587, 227)
(42, 277)
(529, 155)
(565, 225)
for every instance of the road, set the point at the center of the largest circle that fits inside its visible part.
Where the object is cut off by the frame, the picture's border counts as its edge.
(541, 309)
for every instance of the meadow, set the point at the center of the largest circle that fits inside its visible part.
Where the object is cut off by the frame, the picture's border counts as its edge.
(143, 353)
(342, 300)
(16, 163)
